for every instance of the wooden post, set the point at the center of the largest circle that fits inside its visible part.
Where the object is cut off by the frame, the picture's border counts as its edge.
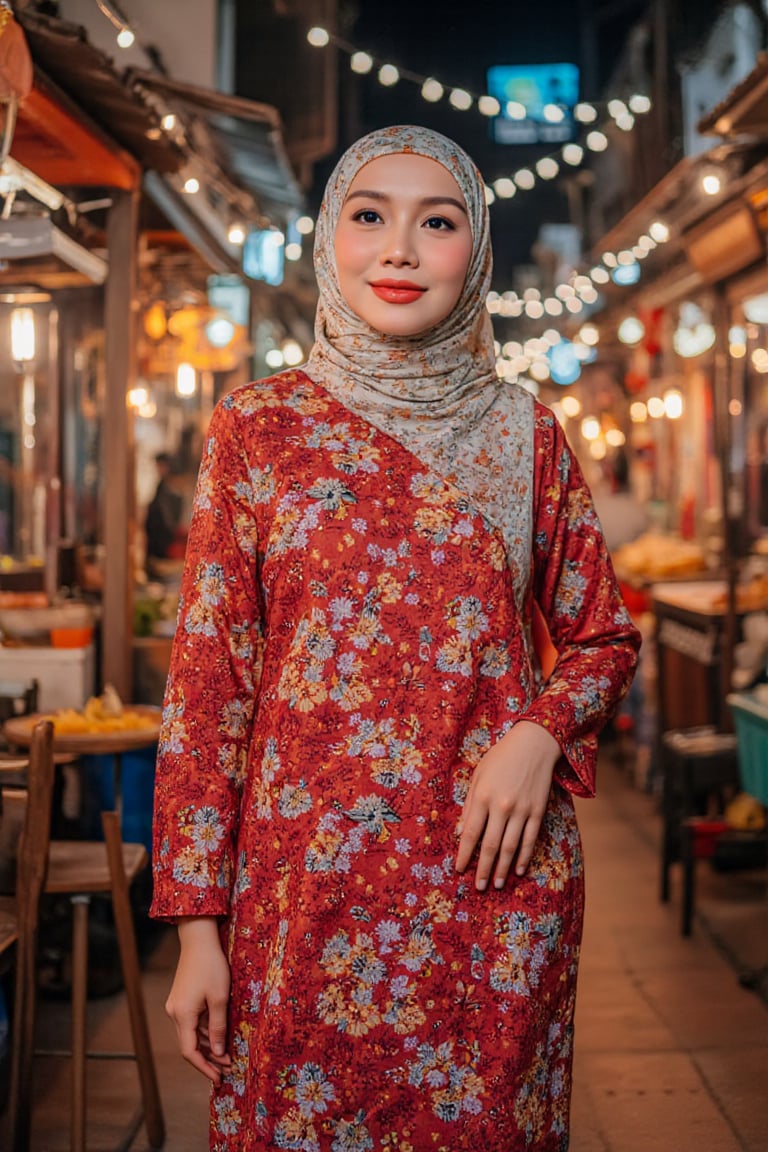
(117, 456)
(731, 502)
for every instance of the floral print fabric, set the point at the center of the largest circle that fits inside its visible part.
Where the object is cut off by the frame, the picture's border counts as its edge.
(437, 393)
(348, 647)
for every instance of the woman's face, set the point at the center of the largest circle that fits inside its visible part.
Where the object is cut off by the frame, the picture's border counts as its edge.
(403, 244)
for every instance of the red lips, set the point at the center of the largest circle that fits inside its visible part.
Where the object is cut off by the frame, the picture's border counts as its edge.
(397, 291)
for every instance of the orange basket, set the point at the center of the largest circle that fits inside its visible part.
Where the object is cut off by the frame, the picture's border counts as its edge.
(71, 637)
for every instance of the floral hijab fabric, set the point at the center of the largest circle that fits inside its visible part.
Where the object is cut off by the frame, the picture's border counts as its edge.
(436, 393)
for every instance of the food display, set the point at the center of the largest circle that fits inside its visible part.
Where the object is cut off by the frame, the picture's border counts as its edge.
(101, 714)
(656, 557)
(751, 595)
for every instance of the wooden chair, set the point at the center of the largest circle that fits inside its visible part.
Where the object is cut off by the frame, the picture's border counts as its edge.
(20, 917)
(17, 698)
(698, 766)
(79, 870)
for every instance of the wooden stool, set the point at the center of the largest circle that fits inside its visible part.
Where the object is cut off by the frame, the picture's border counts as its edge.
(695, 763)
(80, 870)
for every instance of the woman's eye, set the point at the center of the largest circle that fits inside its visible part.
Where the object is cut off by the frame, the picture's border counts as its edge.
(436, 223)
(367, 216)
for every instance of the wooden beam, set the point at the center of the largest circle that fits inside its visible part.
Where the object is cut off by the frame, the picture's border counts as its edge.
(117, 456)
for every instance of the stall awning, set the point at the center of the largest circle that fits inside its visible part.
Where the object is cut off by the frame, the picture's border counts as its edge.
(246, 136)
(52, 138)
(744, 111)
(240, 139)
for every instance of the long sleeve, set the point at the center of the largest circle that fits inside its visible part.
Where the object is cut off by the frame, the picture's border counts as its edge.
(576, 590)
(212, 687)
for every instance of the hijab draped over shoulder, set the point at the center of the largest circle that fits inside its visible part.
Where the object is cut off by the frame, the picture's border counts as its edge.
(437, 393)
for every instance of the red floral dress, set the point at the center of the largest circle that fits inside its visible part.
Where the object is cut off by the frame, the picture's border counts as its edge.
(347, 649)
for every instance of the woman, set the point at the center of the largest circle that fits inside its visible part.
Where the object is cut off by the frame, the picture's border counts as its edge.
(364, 823)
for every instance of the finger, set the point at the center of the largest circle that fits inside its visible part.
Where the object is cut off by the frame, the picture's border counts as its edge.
(217, 1026)
(212, 1071)
(189, 1046)
(528, 844)
(509, 849)
(470, 838)
(489, 850)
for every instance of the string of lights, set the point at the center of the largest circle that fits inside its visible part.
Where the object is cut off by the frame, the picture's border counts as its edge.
(125, 34)
(621, 113)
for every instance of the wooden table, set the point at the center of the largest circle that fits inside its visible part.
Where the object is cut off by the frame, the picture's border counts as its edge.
(18, 732)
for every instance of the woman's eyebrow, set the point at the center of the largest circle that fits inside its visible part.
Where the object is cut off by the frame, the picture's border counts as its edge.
(426, 201)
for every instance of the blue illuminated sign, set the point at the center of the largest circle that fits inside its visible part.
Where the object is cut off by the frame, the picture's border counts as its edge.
(534, 86)
(263, 256)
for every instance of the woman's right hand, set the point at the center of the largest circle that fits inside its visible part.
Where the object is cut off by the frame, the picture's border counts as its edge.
(197, 1002)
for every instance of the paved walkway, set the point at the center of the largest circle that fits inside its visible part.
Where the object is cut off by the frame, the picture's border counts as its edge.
(671, 1052)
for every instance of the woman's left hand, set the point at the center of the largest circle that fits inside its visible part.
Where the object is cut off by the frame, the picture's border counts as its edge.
(506, 802)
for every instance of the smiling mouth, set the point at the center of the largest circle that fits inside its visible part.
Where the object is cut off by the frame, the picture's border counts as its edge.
(397, 291)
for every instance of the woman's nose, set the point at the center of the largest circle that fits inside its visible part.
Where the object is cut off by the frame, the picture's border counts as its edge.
(399, 249)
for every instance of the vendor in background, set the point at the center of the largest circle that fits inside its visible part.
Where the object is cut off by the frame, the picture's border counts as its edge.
(622, 517)
(163, 525)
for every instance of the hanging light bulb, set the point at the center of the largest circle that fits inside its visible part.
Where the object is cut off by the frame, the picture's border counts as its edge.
(504, 187)
(673, 404)
(388, 75)
(432, 90)
(597, 141)
(460, 99)
(22, 335)
(585, 113)
(639, 104)
(361, 62)
(125, 38)
(186, 380)
(488, 106)
(515, 110)
(547, 168)
(573, 154)
(524, 179)
(138, 396)
(318, 37)
(293, 353)
(553, 113)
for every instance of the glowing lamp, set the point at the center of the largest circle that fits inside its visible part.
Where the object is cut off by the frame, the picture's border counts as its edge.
(23, 335)
(186, 380)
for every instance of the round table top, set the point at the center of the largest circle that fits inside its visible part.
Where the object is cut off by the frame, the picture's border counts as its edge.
(19, 731)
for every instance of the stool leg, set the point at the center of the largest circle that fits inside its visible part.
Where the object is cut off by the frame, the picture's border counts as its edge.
(126, 938)
(80, 906)
(667, 833)
(689, 877)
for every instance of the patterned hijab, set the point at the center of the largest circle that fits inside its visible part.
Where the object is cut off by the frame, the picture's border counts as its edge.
(436, 393)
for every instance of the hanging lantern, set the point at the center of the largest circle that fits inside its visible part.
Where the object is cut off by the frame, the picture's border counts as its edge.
(155, 323)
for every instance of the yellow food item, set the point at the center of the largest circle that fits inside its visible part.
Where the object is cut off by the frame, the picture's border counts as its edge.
(100, 714)
(70, 722)
(653, 557)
